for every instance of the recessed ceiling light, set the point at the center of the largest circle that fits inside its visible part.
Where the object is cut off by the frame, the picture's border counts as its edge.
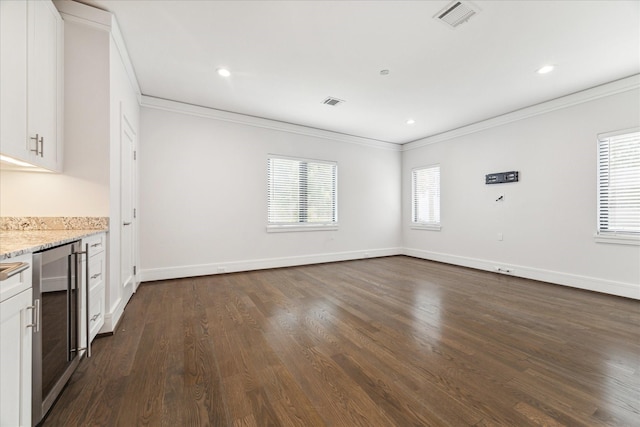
(410, 122)
(546, 69)
(223, 72)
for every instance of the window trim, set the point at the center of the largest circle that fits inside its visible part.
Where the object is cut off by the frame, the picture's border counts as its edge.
(611, 237)
(283, 228)
(425, 226)
(303, 226)
(617, 238)
(419, 225)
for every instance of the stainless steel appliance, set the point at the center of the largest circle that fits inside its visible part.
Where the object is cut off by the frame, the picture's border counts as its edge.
(57, 293)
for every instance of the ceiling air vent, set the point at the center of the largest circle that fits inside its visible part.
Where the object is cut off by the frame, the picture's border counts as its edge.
(456, 13)
(332, 101)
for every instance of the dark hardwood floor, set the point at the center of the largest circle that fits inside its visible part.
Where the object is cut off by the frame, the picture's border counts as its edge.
(381, 342)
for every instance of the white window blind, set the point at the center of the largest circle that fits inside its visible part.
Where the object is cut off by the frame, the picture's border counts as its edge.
(426, 195)
(302, 192)
(619, 183)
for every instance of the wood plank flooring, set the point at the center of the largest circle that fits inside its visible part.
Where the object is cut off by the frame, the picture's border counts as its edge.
(391, 341)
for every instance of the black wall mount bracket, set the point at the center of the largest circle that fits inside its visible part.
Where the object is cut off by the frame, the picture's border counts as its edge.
(501, 177)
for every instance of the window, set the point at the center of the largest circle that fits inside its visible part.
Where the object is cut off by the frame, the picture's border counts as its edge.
(425, 196)
(302, 193)
(619, 186)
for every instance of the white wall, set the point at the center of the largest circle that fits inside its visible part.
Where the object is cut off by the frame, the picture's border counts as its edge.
(203, 197)
(548, 219)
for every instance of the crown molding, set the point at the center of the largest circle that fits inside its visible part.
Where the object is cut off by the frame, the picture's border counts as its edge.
(607, 89)
(73, 11)
(88, 15)
(211, 113)
(118, 40)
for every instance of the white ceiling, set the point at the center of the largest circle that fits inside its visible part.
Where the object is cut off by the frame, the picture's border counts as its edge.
(286, 57)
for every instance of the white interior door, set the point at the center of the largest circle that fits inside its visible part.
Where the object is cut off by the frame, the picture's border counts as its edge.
(127, 206)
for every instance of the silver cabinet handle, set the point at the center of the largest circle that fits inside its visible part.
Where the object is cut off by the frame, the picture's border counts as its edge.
(70, 284)
(35, 316)
(95, 276)
(95, 245)
(126, 223)
(87, 279)
(37, 140)
(95, 317)
(33, 324)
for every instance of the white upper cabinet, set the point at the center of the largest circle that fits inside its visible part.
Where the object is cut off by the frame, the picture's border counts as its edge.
(45, 44)
(13, 79)
(31, 82)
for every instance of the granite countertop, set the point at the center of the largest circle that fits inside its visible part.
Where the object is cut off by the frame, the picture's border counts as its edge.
(26, 235)
(15, 243)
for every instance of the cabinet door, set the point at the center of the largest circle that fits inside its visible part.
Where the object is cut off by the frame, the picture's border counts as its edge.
(13, 79)
(15, 354)
(45, 44)
(97, 272)
(96, 311)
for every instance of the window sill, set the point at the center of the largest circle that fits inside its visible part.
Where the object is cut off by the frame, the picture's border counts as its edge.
(298, 227)
(617, 239)
(431, 227)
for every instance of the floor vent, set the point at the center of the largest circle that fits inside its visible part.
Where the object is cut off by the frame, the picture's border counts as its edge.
(332, 101)
(456, 13)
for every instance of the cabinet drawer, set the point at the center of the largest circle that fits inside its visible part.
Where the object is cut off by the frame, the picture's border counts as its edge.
(96, 271)
(18, 282)
(96, 243)
(96, 311)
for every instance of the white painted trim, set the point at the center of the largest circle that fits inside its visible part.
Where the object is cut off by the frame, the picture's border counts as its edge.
(260, 264)
(618, 239)
(627, 290)
(430, 227)
(608, 135)
(112, 318)
(118, 40)
(299, 227)
(88, 15)
(608, 89)
(211, 113)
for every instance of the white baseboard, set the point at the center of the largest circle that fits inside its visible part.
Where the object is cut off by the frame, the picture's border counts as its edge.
(112, 318)
(628, 290)
(152, 274)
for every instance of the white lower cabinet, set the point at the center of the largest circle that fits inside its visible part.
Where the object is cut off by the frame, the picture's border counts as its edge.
(96, 311)
(97, 271)
(16, 320)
